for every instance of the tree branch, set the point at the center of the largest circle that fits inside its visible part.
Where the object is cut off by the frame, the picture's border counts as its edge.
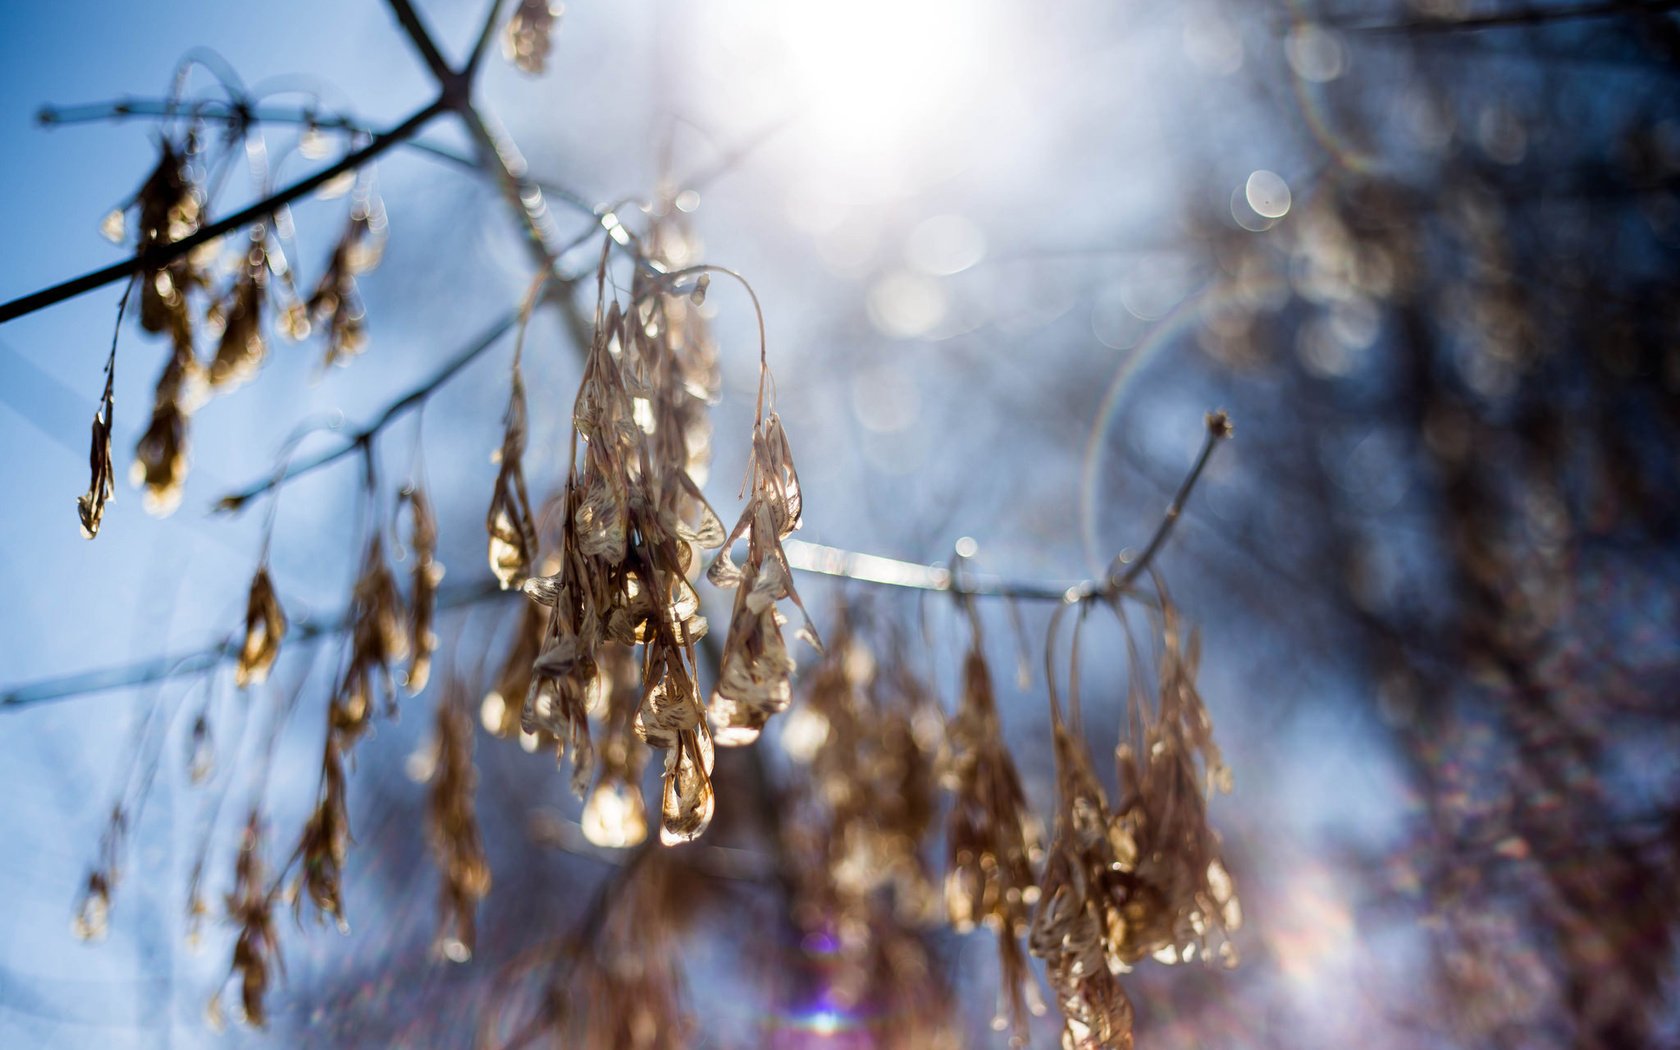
(422, 40)
(161, 255)
(234, 114)
(235, 501)
(1528, 16)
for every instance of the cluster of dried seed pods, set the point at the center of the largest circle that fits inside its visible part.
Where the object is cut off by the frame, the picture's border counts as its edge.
(632, 524)
(1144, 878)
(864, 733)
(169, 206)
(256, 949)
(992, 837)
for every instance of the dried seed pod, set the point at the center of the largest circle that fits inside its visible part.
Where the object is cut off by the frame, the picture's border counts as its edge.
(513, 534)
(756, 671)
(556, 702)
(452, 827)
(422, 604)
(853, 830)
(529, 34)
(335, 306)
(992, 838)
(500, 714)
(687, 798)
(256, 951)
(1081, 913)
(93, 911)
(242, 347)
(160, 457)
(1182, 901)
(265, 628)
(377, 640)
(169, 208)
(91, 506)
(325, 840)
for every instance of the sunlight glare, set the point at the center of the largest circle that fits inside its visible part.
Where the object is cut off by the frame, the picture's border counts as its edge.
(876, 73)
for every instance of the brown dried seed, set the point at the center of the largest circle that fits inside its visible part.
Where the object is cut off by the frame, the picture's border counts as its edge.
(336, 304)
(242, 347)
(428, 573)
(452, 828)
(325, 840)
(529, 36)
(91, 505)
(992, 837)
(256, 951)
(688, 802)
(513, 533)
(160, 457)
(265, 628)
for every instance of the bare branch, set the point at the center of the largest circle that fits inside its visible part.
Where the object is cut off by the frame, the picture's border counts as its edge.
(422, 40)
(163, 254)
(234, 501)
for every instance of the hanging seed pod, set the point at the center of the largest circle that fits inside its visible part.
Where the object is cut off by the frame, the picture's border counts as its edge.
(513, 533)
(422, 605)
(256, 951)
(160, 457)
(528, 39)
(325, 840)
(242, 347)
(452, 828)
(169, 208)
(265, 628)
(756, 672)
(335, 307)
(992, 838)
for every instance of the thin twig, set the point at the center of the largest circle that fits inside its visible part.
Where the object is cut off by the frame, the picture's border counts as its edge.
(161, 255)
(235, 114)
(1218, 429)
(408, 402)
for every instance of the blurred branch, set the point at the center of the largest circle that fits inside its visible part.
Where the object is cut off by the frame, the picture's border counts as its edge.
(163, 254)
(486, 33)
(414, 399)
(1527, 16)
(422, 40)
(240, 114)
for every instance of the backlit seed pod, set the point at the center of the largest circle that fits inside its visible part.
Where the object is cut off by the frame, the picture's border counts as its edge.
(265, 628)
(513, 534)
(452, 827)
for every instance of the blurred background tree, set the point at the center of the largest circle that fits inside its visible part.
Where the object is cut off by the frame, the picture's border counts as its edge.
(1425, 253)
